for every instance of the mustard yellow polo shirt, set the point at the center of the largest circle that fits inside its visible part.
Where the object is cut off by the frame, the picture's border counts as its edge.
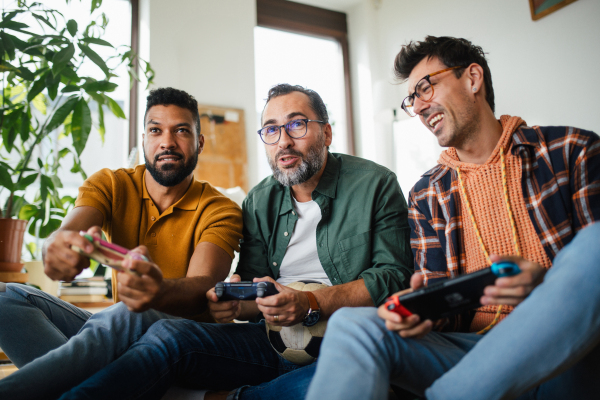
(131, 219)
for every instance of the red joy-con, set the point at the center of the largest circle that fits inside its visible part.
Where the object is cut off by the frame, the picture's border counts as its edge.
(393, 304)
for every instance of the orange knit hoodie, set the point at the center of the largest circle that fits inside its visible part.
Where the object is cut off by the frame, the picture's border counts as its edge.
(483, 185)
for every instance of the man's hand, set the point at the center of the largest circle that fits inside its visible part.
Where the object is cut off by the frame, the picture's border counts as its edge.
(407, 327)
(514, 289)
(63, 263)
(139, 292)
(287, 308)
(224, 311)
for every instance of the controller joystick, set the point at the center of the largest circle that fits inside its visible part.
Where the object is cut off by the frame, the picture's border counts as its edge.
(219, 289)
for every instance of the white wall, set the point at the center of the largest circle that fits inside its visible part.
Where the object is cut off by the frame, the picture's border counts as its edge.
(205, 47)
(545, 71)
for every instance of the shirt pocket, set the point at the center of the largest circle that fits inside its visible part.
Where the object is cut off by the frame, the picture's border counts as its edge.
(356, 254)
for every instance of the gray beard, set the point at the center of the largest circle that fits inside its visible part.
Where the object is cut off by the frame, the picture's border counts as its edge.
(311, 164)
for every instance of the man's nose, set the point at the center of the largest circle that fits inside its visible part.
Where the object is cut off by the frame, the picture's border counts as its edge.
(419, 105)
(285, 141)
(168, 141)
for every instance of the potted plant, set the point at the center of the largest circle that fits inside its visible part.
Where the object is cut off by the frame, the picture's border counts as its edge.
(44, 91)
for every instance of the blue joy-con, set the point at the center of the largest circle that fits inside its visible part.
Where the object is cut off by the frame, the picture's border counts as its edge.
(505, 268)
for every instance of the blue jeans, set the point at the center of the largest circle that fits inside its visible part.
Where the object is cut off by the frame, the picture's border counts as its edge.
(192, 355)
(56, 345)
(547, 348)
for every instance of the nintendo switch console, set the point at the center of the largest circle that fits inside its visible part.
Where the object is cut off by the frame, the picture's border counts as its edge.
(109, 254)
(244, 290)
(451, 296)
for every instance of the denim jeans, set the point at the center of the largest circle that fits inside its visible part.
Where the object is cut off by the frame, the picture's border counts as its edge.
(56, 345)
(191, 355)
(547, 348)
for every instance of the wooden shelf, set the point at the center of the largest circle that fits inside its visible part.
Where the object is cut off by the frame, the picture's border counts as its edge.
(98, 304)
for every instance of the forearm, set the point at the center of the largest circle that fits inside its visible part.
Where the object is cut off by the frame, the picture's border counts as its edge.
(249, 310)
(184, 297)
(351, 294)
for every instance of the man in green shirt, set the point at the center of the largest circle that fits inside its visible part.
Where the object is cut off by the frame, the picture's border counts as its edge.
(331, 218)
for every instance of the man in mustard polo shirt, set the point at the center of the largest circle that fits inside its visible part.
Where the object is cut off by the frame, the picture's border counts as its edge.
(187, 229)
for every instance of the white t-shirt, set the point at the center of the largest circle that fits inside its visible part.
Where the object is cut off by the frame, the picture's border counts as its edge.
(301, 260)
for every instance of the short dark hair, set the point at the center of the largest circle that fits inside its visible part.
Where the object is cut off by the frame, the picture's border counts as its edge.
(450, 51)
(316, 102)
(170, 96)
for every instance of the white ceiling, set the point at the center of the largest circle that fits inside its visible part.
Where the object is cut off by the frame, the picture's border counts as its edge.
(335, 5)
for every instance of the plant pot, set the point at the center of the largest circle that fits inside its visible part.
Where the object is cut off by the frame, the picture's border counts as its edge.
(11, 244)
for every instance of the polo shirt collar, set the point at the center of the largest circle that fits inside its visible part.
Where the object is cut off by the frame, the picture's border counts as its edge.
(188, 202)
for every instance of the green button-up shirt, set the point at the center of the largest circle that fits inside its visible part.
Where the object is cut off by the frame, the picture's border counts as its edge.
(363, 232)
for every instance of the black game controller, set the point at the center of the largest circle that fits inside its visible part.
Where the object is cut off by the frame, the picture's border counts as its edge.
(244, 290)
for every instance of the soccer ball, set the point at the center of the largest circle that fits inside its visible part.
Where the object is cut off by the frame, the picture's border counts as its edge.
(298, 343)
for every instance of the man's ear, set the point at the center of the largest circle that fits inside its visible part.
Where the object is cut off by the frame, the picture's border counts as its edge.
(328, 134)
(200, 143)
(474, 75)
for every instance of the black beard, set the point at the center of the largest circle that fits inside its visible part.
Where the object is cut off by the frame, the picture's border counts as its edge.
(171, 175)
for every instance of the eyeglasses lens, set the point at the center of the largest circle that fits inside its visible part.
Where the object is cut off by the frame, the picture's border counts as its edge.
(296, 128)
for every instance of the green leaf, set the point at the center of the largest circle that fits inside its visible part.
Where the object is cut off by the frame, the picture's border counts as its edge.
(40, 163)
(25, 73)
(56, 181)
(96, 4)
(93, 40)
(62, 113)
(72, 27)
(81, 125)
(60, 59)
(44, 20)
(5, 180)
(14, 25)
(39, 102)
(27, 212)
(37, 88)
(9, 136)
(63, 152)
(92, 55)
(70, 88)
(52, 82)
(114, 107)
(99, 86)
(24, 182)
(45, 186)
(25, 126)
(49, 228)
(71, 75)
(9, 45)
(101, 128)
(100, 99)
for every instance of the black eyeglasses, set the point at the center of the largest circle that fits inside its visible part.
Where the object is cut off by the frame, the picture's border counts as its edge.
(295, 129)
(423, 90)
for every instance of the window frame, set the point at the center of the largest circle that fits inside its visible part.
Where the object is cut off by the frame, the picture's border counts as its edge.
(312, 21)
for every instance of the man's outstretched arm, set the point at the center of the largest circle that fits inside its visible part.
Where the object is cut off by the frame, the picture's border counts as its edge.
(182, 297)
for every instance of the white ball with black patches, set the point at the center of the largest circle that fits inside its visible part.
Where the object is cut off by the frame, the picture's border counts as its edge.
(298, 343)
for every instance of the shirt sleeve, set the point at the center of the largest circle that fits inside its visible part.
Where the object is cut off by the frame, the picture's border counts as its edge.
(391, 257)
(585, 180)
(430, 259)
(97, 191)
(253, 251)
(224, 225)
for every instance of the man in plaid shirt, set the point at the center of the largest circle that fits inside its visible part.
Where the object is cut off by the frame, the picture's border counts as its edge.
(530, 194)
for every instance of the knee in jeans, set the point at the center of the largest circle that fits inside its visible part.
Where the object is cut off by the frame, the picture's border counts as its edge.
(351, 316)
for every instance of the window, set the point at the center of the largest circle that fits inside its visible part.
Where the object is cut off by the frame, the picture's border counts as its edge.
(312, 51)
